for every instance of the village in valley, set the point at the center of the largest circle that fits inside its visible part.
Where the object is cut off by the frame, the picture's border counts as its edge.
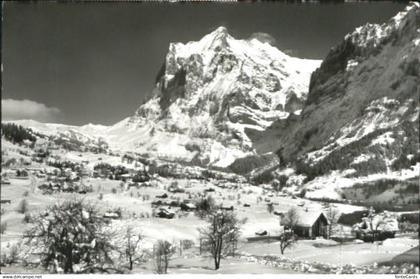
(157, 202)
(216, 152)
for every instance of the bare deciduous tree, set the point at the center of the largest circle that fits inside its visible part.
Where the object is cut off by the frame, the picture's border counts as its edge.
(221, 235)
(375, 224)
(270, 208)
(162, 253)
(287, 239)
(132, 251)
(289, 220)
(22, 206)
(12, 257)
(3, 227)
(332, 215)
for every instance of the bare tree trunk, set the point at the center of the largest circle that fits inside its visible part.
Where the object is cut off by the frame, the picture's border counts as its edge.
(68, 265)
(131, 264)
(216, 264)
(166, 263)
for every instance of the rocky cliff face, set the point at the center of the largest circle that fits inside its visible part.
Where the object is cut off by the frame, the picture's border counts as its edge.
(361, 115)
(210, 91)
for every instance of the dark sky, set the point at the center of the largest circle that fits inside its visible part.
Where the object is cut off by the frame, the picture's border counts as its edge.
(96, 62)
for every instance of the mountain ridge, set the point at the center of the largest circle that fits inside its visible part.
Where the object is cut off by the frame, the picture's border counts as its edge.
(361, 116)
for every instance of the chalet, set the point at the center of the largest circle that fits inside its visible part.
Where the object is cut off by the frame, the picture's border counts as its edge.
(163, 196)
(261, 233)
(227, 208)
(310, 223)
(165, 213)
(146, 184)
(22, 174)
(176, 189)
(302, 203)
(376, 226)
(8, 173)
(126, 176)
(157, 203)
(188, 206)
(127, 158)
(112, 215)
(141, 176)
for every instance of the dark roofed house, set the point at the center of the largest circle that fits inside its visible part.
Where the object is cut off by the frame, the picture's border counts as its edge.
(311, 223)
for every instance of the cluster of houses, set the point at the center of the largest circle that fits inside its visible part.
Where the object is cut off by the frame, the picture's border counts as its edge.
(378, 226)
(66, 187)
(62, 177)
(314, 223)
(166, 208)
(16, 173)
(175, 170)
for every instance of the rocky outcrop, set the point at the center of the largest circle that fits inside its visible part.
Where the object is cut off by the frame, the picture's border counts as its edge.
(367, 85)
(215, 88)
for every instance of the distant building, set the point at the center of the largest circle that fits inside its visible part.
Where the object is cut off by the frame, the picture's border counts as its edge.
(376, 226)
(310, 223)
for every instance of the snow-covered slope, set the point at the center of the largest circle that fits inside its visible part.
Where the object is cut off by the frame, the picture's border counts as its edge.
(89, 135)
(361, 116)
(87, 131)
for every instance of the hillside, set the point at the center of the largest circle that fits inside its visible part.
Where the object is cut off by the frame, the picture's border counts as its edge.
(360, 120)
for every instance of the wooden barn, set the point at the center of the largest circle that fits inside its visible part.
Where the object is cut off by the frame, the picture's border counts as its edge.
(311, 223)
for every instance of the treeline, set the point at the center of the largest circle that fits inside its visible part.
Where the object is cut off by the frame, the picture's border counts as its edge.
(112, 172)
(64, 165)
(16, 133)
(343, 158)
(409, 147)
(378, 206)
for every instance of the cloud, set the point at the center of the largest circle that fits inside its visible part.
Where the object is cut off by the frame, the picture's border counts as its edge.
(264, 38)
(26, 109)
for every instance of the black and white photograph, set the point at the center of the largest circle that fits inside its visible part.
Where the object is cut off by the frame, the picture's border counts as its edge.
(210, 138)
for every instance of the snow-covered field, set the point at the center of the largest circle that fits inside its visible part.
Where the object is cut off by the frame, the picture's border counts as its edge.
(185, 226)
(334, 253)
(137, 212)
(329, 186)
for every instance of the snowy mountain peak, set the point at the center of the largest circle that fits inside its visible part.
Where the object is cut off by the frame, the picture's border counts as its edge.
(212, 90)
(217, 39)
(404, 24)
(220, 30)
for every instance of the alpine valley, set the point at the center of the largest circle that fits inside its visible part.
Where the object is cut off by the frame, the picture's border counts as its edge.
(243, 159)
(325, 129)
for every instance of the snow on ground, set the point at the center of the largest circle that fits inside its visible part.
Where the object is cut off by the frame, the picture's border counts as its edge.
(185, 226)
(328, 186)
(384, 139)
(348, 253)
(93, 159)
